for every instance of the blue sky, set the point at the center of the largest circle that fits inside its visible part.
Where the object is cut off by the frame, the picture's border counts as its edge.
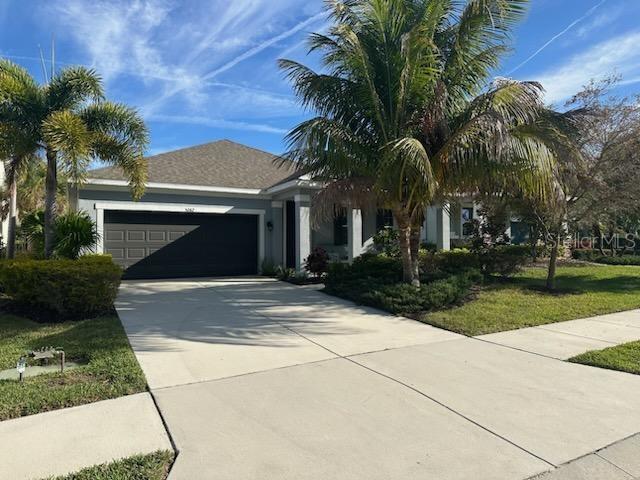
(201, 70)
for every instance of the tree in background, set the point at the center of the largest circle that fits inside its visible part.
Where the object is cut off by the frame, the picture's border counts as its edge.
(69, 120)
(602, 189)
(405, 111)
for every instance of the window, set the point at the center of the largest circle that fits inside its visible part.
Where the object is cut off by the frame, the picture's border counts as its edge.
(340, 233)
(467, 221)
(384, 218)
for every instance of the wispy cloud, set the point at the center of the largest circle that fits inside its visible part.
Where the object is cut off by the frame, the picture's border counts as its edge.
(557, 36)
(264, 45)
(603, 19)
(217, 123)
(619, 55)
(165, 57)
(176, 89)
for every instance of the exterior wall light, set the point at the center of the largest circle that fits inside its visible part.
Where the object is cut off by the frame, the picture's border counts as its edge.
(270, 226)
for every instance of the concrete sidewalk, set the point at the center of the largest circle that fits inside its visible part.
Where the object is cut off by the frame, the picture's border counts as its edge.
(564, 340)
(260, 379)
(620, 461)
(65, 441)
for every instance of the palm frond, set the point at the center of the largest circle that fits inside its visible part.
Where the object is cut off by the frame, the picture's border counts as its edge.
(72, 87)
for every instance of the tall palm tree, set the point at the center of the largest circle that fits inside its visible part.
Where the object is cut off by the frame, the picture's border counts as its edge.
(405, 111)
(18, 142)
(69, 120)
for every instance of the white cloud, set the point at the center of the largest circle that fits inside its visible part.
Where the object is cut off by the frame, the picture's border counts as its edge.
(619, 55)
(164, 56)
(599, 21)
(217, 123)
(556, 36)
(265, 44)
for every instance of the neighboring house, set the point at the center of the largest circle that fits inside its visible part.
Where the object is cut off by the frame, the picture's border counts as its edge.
(224, 209)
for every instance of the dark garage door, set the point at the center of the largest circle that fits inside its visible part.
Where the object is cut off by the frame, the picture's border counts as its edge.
(169, 245)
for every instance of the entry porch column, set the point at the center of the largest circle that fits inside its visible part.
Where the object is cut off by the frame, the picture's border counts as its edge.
(303, 229)
(438, 226)
(354, 233)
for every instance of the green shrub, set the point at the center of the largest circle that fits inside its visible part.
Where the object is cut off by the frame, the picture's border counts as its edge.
(387, 242)
(365, 271)
(405, 298)
(268, 269)
(317, 262)
(74, 232)
(58, 290)
(285, 274)
(503, 260)
(586, 254)
(622, 260)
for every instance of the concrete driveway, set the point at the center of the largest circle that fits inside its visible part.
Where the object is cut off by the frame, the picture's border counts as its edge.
(258, 379)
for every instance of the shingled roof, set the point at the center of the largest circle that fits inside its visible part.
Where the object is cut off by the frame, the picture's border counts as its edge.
(218, 164)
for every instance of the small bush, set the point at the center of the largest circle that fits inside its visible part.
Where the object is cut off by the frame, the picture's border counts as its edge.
(405, 298)
(74, 232)
(623, 260)
(504, 260)
(387, 242)
(317, 262)
(268, 269)
(285, 274)
(586, 254)
(58, 290)
(365, 271)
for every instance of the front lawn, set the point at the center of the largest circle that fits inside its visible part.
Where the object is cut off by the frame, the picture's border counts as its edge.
(154, 466)
(111, 368)
(583, 291)
(625, 358)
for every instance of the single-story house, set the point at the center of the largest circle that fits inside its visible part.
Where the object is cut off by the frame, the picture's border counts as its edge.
(226, 209)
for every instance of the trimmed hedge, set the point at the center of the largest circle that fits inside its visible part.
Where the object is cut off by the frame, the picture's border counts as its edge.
(586, 254)
(623, 260)
(503, 260)
(403, 298)
(375, 280)
(593, 255)
(59, 290)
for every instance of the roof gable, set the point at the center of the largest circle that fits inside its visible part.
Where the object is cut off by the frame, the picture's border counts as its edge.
(217, 164)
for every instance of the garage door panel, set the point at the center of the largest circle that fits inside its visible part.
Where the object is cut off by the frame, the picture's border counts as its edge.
(114, 235)
(153, 245)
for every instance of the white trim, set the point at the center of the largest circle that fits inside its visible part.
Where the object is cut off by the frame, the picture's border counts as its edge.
(297, 183)
(177, 186)
(183, 208)
(276, 204)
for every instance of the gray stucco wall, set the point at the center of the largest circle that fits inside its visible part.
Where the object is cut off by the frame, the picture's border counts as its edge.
(273, 238)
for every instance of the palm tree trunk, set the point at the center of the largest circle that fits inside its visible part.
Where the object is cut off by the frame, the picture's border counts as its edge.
(533, 240)
(415, 249)
(13, 214)
(404, 240)
(553, 261)
(51, 187)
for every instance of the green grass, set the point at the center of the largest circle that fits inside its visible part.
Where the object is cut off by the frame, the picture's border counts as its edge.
(111, 368)
(520, 302)
(625, 358)
(154, 466)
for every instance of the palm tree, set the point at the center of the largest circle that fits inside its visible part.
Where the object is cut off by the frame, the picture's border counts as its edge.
(69, 119)
(405, 112)
(17, 141)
